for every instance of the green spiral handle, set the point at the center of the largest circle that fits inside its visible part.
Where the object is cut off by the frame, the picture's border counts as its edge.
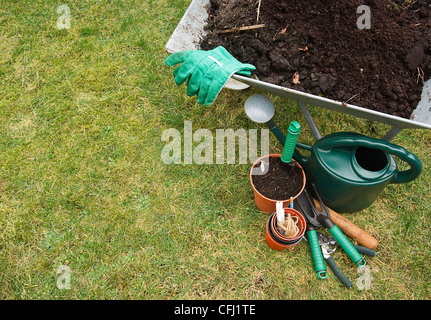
(290, 142)
(347, 246)
(316, 254)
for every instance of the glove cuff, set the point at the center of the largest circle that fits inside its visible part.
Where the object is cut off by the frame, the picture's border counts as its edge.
(221, 88)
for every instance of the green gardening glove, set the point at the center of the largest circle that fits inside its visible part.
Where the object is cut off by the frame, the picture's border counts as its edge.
(206, 71)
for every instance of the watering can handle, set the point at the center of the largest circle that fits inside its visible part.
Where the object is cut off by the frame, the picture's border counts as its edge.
(371, 143)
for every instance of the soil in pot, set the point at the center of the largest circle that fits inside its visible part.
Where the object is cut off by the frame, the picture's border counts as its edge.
(278, 183)
(315, 46)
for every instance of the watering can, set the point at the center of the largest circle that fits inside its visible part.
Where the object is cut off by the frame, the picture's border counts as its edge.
(350, 170)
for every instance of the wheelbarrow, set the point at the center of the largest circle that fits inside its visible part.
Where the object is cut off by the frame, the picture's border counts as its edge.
(191, 30)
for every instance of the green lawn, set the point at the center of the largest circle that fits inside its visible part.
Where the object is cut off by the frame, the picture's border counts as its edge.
(82, 184)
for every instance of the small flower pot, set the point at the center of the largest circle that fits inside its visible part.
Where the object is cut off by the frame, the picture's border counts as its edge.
(267, 204)
(277, 243)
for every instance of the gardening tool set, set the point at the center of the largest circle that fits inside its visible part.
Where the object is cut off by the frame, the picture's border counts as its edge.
(346, 171)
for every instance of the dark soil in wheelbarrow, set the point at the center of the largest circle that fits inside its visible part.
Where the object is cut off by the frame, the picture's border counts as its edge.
(315, 46)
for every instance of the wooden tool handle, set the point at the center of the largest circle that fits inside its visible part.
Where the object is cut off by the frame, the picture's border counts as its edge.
(352, 230)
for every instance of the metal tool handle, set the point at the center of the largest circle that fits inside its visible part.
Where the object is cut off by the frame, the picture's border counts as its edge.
(330, 261)
(316, 254)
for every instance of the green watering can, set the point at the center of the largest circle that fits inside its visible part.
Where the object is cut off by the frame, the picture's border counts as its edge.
(350, 170)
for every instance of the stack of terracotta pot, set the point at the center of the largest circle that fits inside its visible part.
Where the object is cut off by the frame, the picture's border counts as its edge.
(273, 236)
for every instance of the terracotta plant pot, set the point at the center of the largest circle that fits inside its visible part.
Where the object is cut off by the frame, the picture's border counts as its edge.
(277, 243)
(266, 204)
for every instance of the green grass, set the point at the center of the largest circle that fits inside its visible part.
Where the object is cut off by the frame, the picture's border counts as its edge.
(82, 183)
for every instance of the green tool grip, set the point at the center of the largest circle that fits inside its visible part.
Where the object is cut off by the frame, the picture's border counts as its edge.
(347, 246)
(330, 261)
(290, 143)
(316, 254)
